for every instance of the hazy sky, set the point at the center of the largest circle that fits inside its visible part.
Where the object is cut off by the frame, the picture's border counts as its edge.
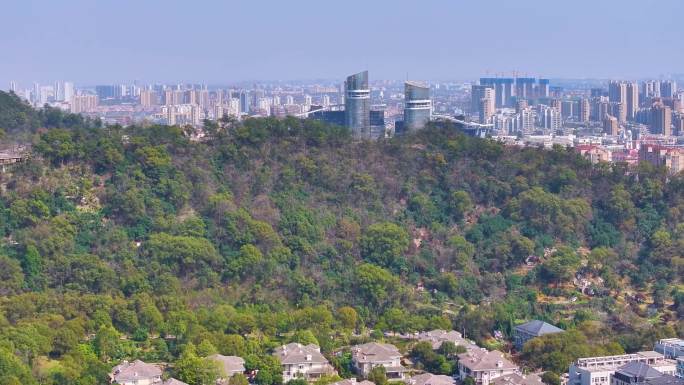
(224, 41)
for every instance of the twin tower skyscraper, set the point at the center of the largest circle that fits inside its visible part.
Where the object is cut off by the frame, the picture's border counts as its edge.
(363, 121)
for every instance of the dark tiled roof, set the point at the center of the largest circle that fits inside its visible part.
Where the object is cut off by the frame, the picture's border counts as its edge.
(518, 379)
(639, 370)
(665, 379)
(430, 379)
(295, 353)
(538, 328)
(375, 352)
(136, 370)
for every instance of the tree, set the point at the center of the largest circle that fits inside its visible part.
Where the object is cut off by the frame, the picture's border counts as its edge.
(32, 264)
(347, 317)
(13, 371)
(460, 204)
(384, 244)
(297, 381)
(375, 284)
(378, 375)
(195, 370)
(551, 378)
(57, 145)
(448, 348)
(206, 348)
(106, 343)
(247, 260)
(238, 379)
(305, 337)
(181, 254)
(560, 266)
(327, 379)
(11, 275)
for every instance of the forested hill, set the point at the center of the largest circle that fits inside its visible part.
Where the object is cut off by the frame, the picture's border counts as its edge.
(277, 230)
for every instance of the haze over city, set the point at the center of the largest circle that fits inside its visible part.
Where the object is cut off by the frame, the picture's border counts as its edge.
(222, 42)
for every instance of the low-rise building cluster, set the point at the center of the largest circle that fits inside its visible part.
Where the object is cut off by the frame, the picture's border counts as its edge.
(662, 366)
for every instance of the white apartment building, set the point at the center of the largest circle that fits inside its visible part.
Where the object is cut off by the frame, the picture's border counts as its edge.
(670, 347)
(598, 370)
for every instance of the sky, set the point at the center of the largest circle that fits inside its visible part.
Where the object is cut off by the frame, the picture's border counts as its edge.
(227, 41)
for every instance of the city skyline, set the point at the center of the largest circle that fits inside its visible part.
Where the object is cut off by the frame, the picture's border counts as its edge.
(240, 41)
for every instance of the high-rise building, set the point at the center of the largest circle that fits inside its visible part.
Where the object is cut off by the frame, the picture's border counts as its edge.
(234, 106)
(195, 115)
(618, 110)
(189, 97)
(617, 92)
(597, 92)
(68, 91)
(486, 109)
(610, 125)
(83, 103)
(105, 91)
(417, 106)
(650, 89)
(521, 104)
(325, 100)
(357, 104)
(668, 89)
(678, 125)
(59, 91)
(550, 118)
(527, 120)
(661, 119)
(170, 115)
(244, 101)
(632, 101)
(584, 110)
(148, 98)
(600, 109)
(168, 97)
(203, 98)
(569, 109)
(524, 88)
(543, 88)
(503, 90)
(479, 92)
(13, 86)
(35, 95)
(377, 122)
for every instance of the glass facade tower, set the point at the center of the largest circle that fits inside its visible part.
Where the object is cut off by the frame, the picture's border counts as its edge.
(418, 107)
(357, 104)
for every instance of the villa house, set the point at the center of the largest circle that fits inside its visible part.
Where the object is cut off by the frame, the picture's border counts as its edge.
(484, 366)
(302, 361)
(229, 366)
(136, 373)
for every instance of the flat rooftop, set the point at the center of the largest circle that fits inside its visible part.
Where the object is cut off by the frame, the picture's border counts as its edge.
(678, 342)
